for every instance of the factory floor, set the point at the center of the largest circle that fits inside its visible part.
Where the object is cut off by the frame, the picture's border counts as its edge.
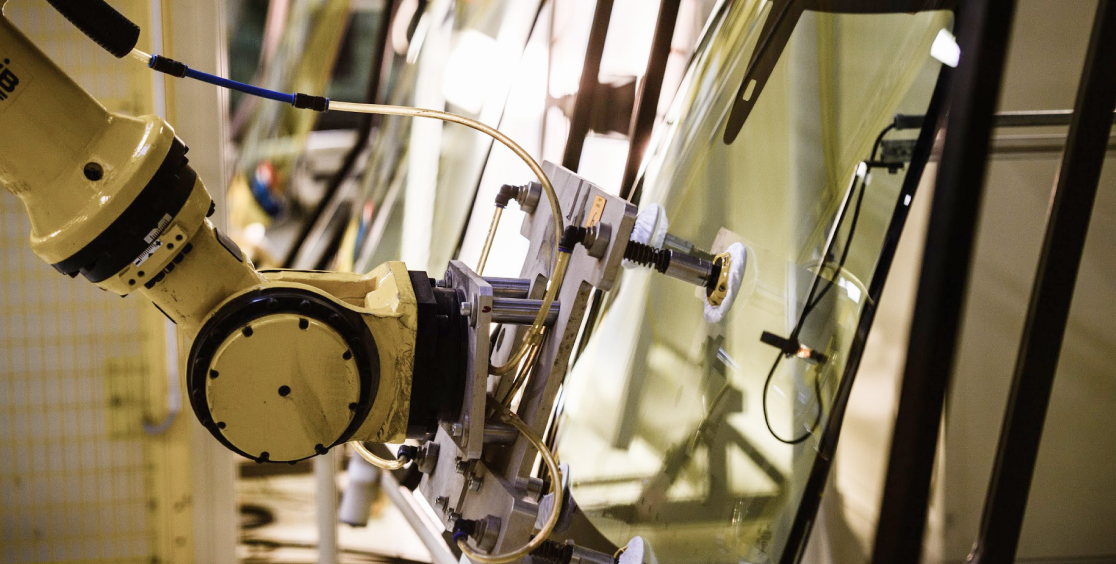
(279, 525)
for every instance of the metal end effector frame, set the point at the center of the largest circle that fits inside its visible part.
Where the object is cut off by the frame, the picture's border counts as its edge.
(481, 470)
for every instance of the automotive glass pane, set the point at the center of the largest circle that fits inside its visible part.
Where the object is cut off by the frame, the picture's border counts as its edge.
(460, 56)
(663, 424)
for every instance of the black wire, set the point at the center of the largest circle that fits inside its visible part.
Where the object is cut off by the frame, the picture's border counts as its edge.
(812, 301)
(852, 226)
(767, 419)
(844, 255)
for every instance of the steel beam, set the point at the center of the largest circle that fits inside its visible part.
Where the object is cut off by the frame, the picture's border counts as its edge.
(984, 29)
(1051, 297)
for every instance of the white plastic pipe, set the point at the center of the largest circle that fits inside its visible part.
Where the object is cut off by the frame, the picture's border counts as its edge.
(325, 489)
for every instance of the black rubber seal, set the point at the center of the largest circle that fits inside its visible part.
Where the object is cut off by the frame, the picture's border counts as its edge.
(132, 233)
(441, 357)
(96, 19)
(265, 302)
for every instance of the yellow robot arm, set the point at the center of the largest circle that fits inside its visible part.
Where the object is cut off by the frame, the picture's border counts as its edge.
(283, 365)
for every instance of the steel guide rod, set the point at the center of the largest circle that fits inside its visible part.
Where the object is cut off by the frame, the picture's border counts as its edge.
(984, 31)
(1051, 297)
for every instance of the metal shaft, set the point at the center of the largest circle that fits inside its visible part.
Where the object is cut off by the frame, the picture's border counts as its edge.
(509, 287)
(500, 433)
(675, 243)
(521, 312)
(673, 263)
(690, 269)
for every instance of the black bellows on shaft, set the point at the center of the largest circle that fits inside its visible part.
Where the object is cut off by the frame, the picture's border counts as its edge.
(646, 255)
(984, 28)
(104, 25)
(1051, 297)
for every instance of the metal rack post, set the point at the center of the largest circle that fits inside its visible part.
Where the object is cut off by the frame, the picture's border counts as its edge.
(1051, 297)
(984, 27)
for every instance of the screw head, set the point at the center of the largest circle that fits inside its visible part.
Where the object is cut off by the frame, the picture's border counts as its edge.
(456, 430)
(93, 171)
(466, 309)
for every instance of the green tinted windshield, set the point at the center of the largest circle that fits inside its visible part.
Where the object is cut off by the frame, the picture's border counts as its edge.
(696, 435)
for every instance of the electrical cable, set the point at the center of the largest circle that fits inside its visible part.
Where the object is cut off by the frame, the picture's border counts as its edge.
(321, 104)
(812, 301)
(856, 216)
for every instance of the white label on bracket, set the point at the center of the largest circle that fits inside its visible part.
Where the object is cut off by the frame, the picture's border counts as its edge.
(147, 253)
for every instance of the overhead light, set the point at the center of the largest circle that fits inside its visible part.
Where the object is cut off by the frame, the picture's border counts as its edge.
(945, 49)
(473, 69)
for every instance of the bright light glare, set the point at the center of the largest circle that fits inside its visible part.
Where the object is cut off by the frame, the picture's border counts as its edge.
(602, 161)
(851, 289)
(254, 233)
(473, 69)
(945, 49)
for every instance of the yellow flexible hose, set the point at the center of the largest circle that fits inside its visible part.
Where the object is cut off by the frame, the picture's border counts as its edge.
(521, 376)
(535, 333)
(375, 460)
(488, 240)
(555, 490)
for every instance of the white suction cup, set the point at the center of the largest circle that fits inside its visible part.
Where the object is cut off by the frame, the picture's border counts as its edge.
(638, 551)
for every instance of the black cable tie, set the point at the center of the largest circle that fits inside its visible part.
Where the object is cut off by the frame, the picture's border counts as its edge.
(308, 102)
(787, 346)
(908, 121)
(791, 347)
(168, 66)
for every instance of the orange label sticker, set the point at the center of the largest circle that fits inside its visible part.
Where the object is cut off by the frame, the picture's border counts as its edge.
(596, 211)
